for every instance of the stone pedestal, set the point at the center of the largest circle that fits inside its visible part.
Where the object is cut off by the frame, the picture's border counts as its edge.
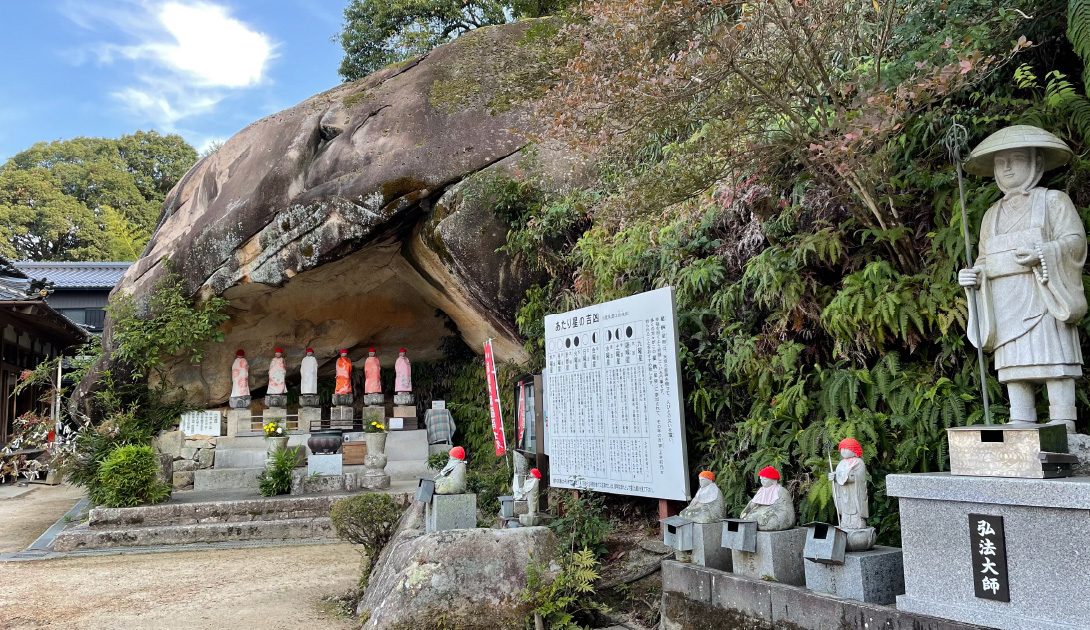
(451, 511)
(342, 417)
(238, 422)
(403, 398)
(276, 414)
(325, 464)
(240, 402)
(533, 520)
(276, 401)
(343, 400)
(708, 548)
(310, 419)
(1044, 524)
(875, 576)
(374, 400)
(373, 414)
(309, 400)
(778, 556)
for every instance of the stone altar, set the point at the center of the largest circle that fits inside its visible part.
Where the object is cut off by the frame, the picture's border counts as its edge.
(875, 576)
(1036, 558)
(1026, 287)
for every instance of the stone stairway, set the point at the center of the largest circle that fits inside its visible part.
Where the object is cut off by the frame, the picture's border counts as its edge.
(278, 518)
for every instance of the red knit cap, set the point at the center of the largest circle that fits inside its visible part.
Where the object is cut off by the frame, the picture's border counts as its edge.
(344, 350)
(536, 473)
(402, 351)
(458, 452)
(240, 353)
(310, 349)
(370, 349)
(709, 475)
(278, 351)
(769, 472)
(852, 445)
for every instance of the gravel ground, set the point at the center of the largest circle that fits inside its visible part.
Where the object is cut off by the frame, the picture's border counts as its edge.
(268, 588)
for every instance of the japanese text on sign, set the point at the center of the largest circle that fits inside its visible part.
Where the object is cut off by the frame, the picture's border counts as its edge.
(989, 550)
(200, 423)
(615, 419)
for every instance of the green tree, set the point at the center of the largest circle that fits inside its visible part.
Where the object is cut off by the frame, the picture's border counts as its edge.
(88, 198)
(377, 33)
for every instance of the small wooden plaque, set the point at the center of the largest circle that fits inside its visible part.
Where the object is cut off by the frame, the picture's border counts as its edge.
(354, 452)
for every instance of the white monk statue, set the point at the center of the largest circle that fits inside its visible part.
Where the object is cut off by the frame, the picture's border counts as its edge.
(308, 370)
(452, 479)
(850, 495)
(240, 381)
(278, 373)
(1029, 273)
(372, 374)
(403, 381)
(772, 506)
(707, 505)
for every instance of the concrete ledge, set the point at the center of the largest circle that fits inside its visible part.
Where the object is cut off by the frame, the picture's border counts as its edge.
(212, 512)
(699, 598)
(83, 537)
(226, 478)
(1070, 492)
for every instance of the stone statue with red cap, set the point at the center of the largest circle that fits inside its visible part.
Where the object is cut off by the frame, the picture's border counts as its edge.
(452, 479)
(372, 383)
(772, 506)
(707, 505)
(532, 487)
(850, 495)
(403, 380)
(240, 381)
(342, 394)
(276, 392)
(308, 386)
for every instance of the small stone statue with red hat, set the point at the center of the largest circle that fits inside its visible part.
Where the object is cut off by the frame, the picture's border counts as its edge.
(276, 392)
(372, 380)
(707, 505)
(772, 506)
(308, 386)
(403, 380)
(452, 479)
(240, 381)
(342, 394)
(532, 487)
(850, 495)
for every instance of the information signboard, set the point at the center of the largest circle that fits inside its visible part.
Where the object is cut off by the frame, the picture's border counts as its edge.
(615, 419)
(201, 423)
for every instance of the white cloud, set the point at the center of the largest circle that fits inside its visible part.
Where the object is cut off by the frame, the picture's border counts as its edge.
(187, 55)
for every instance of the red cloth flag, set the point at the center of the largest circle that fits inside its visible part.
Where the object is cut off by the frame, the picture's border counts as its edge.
(494, 400)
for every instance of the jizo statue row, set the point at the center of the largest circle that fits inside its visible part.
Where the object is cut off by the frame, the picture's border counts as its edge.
(308, 371)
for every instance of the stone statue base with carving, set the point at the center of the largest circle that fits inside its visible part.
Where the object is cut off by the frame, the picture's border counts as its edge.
(340, 400)
(240, 402)
(309, 400)
(404, 398)
(1044, 526)
(310, 419)
(778, 556)
(875, 576)
(374, 399)
(276, 401)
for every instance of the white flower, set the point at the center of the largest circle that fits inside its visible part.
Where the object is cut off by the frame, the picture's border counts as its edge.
(279, 430)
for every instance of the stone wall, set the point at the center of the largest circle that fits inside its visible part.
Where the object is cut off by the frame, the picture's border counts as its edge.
(698, 598)
(180, 455)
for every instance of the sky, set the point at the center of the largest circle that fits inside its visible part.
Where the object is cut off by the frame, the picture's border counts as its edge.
(203, 69)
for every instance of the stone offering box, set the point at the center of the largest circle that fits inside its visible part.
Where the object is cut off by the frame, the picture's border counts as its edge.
(875, 576)
(326, 465)
(425, 489)
(1010, 450)
(1027, 537)
(778, 556)
(677, 532)
(450, 511)
(825, 543)
(740, 535)
(507, 507)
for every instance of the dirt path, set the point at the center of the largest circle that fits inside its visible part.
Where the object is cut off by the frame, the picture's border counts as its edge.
(27, 516)
(269, 588)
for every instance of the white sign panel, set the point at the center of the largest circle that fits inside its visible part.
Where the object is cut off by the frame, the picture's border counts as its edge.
(200, 423)
(615, 419)
(438, 404)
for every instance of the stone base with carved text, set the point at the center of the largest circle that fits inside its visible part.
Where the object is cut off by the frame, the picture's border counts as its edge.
(999, 552)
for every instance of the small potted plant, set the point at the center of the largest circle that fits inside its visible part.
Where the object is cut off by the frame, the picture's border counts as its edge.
(275, 434)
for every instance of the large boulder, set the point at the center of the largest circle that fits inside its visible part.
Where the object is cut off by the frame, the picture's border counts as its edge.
(471, 579)
(340, 223)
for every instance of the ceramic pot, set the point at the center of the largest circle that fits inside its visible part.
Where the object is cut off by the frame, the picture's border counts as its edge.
(326, 442)
(277, 442)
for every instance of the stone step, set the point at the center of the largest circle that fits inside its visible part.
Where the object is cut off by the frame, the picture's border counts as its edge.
(83, 537)
(232, 511)
(225, 478)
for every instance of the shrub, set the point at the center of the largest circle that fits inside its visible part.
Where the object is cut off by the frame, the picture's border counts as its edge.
(129, 476)
(367, 520)
(277, 479)
(582, 524)
(568, 595)
(489, 486)
(436, 461)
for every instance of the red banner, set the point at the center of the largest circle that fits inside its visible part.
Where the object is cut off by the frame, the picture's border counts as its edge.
(494, 400)
(522, 416)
